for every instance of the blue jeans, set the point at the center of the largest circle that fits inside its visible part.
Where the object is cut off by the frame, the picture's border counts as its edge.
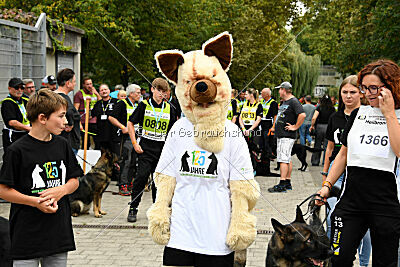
(364, 249)
(304, 131)
(55, 260)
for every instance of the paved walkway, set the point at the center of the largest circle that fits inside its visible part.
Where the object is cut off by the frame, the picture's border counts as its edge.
(124, 245)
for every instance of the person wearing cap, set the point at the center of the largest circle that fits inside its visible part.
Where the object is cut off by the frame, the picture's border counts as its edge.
(13, 111)
(155, 118)
(49, 82)
(119, 118)
(88, 91)
(290, 117)
(29, 87)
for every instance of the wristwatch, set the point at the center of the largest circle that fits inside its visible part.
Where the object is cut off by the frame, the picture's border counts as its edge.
(324, 173)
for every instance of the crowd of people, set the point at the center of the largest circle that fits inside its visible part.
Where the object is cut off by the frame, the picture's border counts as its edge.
(358, 141)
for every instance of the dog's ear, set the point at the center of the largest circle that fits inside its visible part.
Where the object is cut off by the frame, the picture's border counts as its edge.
(278, 227)
(221, 47)
(299, 216)
(168, 62)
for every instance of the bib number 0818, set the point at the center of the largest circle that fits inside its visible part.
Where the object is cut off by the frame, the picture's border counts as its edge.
(375, 140)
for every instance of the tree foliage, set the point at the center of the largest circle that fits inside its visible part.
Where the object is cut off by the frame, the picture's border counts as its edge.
(141, 28)
(351, 33)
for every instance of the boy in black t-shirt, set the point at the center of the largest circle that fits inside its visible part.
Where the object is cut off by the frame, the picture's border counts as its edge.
(38, 171)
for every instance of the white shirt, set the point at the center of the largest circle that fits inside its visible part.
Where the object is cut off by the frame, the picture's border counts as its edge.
(201, 205)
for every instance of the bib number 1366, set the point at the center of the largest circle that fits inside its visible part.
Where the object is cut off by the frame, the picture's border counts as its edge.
(375, 140)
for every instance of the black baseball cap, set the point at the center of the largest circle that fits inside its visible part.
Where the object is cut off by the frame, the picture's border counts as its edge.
(14, 82)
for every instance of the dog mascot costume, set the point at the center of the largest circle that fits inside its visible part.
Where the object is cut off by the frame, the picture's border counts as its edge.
(205, 182)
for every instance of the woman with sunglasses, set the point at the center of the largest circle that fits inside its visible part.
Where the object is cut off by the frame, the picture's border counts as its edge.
(13, 112)
(371, 145)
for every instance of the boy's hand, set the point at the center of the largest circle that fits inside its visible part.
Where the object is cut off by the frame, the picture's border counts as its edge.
(52, 194)
(46, 207)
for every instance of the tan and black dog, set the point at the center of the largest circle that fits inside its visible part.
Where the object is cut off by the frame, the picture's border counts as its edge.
(92, 186)
(298, 244)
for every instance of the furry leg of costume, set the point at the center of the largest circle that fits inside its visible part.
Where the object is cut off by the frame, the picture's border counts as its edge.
(159, 213)
(242, 229)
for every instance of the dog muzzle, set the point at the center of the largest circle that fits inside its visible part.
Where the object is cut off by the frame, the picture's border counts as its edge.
(203, 91)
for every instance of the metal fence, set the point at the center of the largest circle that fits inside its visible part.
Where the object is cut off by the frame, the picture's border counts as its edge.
(22, 55)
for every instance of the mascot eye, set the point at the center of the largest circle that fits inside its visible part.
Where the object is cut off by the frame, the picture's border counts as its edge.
(188, 82)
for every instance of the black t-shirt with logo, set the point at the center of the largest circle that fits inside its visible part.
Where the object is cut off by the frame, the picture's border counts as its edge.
(120, 113)
(336, 125)
(105, 130)
(31, 166)
(288, 113)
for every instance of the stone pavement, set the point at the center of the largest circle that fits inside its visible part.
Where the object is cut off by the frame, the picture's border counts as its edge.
(127, 244)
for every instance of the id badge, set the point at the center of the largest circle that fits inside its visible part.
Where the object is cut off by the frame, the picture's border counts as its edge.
(103, 117)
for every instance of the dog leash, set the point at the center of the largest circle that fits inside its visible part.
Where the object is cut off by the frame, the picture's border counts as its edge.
(85, 161)
(312, 210)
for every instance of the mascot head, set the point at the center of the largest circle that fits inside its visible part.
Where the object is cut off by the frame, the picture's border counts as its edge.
(202, 87)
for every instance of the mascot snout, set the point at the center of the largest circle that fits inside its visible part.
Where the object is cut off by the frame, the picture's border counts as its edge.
(203, 91)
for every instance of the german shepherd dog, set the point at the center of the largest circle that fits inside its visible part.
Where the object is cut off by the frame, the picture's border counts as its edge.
(301, 152)
(298, 244)
(92, 186)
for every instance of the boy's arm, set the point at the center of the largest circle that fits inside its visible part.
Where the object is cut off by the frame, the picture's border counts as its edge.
(12, 195)
(56, 193)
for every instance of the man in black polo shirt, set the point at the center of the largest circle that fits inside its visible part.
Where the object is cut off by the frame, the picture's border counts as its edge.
(13, 112)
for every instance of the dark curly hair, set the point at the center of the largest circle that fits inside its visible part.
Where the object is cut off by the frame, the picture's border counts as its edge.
(388, 72)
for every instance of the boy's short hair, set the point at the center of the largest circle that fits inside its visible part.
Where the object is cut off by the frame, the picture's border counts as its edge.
(44, 102)
(160, 84)
(64, 75)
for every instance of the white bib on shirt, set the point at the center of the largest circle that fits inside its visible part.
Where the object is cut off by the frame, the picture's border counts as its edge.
(368, 141)
(201, 206)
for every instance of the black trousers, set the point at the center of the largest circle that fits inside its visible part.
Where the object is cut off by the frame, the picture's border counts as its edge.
(147, 163)
(348, 229)
(177, 257)
(320, 142)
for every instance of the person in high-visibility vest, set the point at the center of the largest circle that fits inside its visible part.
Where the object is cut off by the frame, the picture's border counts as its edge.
(88, 91)
(270, 110)
(156, 118)
(13, 112)
(249, 120)
(233, 108)
(119, 118)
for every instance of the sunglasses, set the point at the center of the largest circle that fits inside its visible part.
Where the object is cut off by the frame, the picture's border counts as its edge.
(21, 87)
(30, 87)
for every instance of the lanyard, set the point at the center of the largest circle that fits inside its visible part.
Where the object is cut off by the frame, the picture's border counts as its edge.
(130, 102)
(250, 105)
(102, 105)
(154, 111)
(21, 108)
(266, 103)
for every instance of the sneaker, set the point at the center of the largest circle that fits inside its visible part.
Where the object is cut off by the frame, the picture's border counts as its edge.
(130, 186)
(288, 186)
(123, 190)
(277, 189)
(132, 215)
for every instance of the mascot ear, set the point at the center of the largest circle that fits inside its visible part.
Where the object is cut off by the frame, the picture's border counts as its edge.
(221, 47)
(168, 62)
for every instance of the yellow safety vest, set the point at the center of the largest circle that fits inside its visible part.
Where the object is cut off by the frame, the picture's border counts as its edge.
(92, 101)
(22, 109)
(248, 113)
(156, 121)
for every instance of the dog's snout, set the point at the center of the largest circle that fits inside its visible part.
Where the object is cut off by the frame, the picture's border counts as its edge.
(201, 87)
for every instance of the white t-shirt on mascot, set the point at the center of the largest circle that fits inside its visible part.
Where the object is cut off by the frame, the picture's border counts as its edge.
(201, 207)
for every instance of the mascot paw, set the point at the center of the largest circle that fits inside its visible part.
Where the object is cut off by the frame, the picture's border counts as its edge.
(241, 236)
(159, 223)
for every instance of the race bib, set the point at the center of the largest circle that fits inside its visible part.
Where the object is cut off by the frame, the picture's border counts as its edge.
(372, 144)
